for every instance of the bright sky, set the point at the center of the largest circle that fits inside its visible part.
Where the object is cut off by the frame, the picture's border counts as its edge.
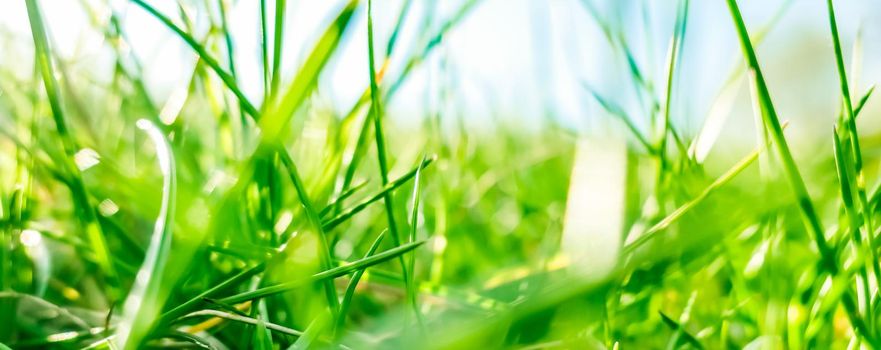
(510, 58)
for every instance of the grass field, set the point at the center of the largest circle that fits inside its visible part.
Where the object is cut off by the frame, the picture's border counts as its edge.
(214, 219)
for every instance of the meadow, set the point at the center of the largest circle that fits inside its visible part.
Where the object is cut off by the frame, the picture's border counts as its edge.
(216, 218)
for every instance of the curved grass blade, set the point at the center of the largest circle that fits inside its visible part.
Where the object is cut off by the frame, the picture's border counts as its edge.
(148, 293)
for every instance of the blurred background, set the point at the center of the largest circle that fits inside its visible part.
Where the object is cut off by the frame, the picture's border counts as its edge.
(523, 59)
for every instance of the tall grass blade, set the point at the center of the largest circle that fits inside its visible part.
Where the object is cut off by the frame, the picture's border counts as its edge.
(793, 176)
(150, 289)
(84, 208)
(227, 78)
(279, 114)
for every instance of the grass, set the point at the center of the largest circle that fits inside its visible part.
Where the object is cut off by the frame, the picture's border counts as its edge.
(218, 219)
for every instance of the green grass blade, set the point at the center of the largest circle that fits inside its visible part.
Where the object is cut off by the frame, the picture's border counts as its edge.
(262, 337)
(729, 175)
(148, 293)
(391, 186)
(675, 326)
(328, 274)
(279, 115)
(205, 56)
(863, 100)
(77, 187)
(806, 206)
(230, 282)
(845, 92)
(264, 53)
(277, 40)
(312, 333)
(412, 292)
(672, 63)
(618, 112)
(353, 284)
(315, 221)
(246, 320)
(772, 122)
(376, 108)
(332, 205)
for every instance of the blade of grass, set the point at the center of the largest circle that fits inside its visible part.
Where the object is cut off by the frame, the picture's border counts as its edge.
(672, 63)
(848, 192)
(277, 40)
(264, 55)
(227, 40)
(328, 274)
(853, 138)
(347, 214)
(278, 116)
(147, 296)
(414, 224)
(234, 280)
(616, 111)
(845, 94)
(675, 326)
(376, 108)
(205, 56)
(243, 319)
(414, 61)
(315, 221)
(339, 199)
(362, 141)
(77, 187)
(863, 100)
(262, 337)
(793, 176)
(649, 234)
(353, 284)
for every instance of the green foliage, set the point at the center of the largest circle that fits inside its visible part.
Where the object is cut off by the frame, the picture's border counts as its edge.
(229, 225)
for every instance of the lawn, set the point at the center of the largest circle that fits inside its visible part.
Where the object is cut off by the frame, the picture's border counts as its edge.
(248, 207)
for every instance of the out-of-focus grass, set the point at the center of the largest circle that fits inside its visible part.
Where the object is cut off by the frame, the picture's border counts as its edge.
(229, 224)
